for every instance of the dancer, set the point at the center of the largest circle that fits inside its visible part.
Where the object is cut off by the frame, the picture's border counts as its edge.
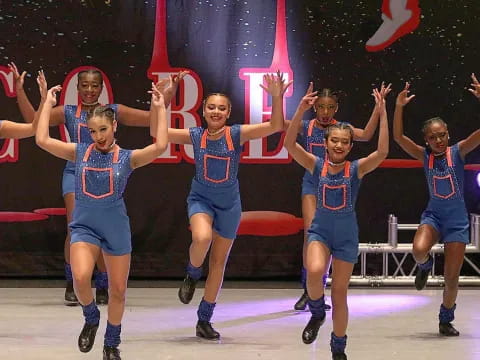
(313, 135)
(445, 219)
(214, 206)
(89, 86)
(100, 221)
(334, 229)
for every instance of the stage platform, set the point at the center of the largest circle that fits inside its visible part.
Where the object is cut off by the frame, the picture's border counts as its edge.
(255, 319)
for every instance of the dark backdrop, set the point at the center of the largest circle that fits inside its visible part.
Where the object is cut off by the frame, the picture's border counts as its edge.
(215, 39)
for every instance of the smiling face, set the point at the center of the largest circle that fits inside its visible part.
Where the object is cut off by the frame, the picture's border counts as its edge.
(102, 127)
(325, 109)
(89, 86)
(216, 111)
(339, 143)
(436, 135)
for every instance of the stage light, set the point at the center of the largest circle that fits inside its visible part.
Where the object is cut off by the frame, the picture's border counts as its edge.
(478, 179)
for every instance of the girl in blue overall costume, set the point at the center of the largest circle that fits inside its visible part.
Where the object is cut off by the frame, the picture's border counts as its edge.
(214, 206)
(89, 86)
(445, 218)
(334, 230)
(100, 223)
(313, 136)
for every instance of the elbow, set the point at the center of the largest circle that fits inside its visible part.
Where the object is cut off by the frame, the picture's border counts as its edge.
(40, 141)
(365, 137)
(383, 153)
(161, 146)
(277, 128)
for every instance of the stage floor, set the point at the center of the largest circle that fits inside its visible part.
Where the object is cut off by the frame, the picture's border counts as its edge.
(254, 323)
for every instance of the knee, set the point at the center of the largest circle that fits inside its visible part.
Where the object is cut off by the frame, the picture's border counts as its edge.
(117, 292)
(315, 269)
(201, 239)
(82, 279)
(419, 253)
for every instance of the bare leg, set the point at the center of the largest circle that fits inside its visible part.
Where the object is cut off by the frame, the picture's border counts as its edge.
(425, 237)
(118, 268)
(201, 225)
(218, 259)
(82, 257)
(342, 271)
(309, 204)
(454, 254)
(70, 297)
(318, 258)
(69, 200)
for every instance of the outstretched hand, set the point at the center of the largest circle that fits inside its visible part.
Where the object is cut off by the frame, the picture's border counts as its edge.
(19, 79)
(173, 81)
(308, 100)
(276, 85)
(476, 86)
(403, 98)
(157, 96)
(380, 95)
(51, 95)
(379, 98)
(385, 90)
(42, 84)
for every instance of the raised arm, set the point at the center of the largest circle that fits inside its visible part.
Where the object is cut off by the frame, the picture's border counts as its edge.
(287, 123)
(175, 136)
(304, 158)
(26, 108)
(42, 137)
(412, 149)
(141, 118)
(471, 142)
(57, 116)
(371, 162)
(276, 87)
(367, 133)
(158, 113)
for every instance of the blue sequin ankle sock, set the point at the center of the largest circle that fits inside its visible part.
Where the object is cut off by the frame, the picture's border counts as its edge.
(194, 272)
(317, 307)
(112, 335)
(324, 280)
(91, 313)
(205, 310)
(303, 278)
(427, 265)
(68, 272)
(101, 280)
(446, 315)
(338, 343)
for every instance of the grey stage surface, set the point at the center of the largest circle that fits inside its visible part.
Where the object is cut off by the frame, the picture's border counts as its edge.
(254, 323)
